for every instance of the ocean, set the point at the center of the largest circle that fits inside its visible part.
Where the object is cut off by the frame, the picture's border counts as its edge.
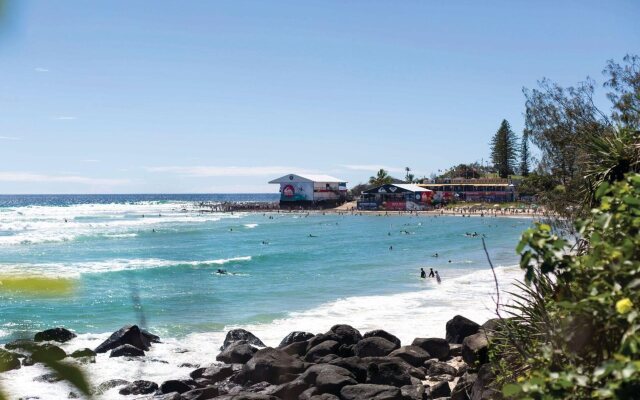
(153, 260)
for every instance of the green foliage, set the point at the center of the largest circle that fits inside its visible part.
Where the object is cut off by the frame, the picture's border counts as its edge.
(624, 81)
(504, 150)
(381, 178)
(525, 157)
(575, 331)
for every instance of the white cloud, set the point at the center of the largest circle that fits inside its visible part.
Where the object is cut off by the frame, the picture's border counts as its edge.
(83, 180)
(372, 168)
(207, 171)
(65, 118)
(41, 69)
(9, 138)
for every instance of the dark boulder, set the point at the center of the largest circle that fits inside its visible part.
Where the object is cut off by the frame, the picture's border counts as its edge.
(209, 392)
(126, 350)
(413, 392)
(245, 396)
(271, 365)
(47, 351)
(295, 348)
(413, 355)
(174, 385)
(324, 396)
(21, 344)
(437, 347)
(355, 365)
(237, 335)
(288, 391)
(455, 349)
(127, 335)
(321, 350)
(8, 361)
(237, 353)
(60, 335)
(383, 334)
(440, 368)
(83, 353)
(373, 347)
(483, 387)
(388, 373)
(440, 389)
(459, 328)
(51, 377)
(370, 392)
(475, 349)
(108, 385)
(402, 364)
(328, 378)
(139, 387)
(217, 373)
(462, 390)
(346, 334)
(295, 337)
(322, 337)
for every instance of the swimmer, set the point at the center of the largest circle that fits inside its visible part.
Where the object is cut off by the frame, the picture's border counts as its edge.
(422, 273)
(438, 278)
(431, 275)
(435, 255)
(221, 272)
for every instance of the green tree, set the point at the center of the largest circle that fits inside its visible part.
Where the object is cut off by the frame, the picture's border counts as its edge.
(624, 81)
(504, 150)
(525, 157)
(381, 178)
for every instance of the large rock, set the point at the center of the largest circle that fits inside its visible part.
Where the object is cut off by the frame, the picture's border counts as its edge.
(126, 350)
(322, 337)
(243, 396)
(271, 365)
(174, 385)
(413, 355)
(296, 348)
(21, 344)
(346, 334)
(483, 387)
(383, 334)
(209, 392)
(440, 389)
(295, 337)
(237, 353)
(440, 368)
(373, 347)
(8, 361)
(475, 349)
(139, 387)
(388, 373)
(437, 347)
(459, 328)
(83, 353)
(370, 392)
(462, 390)
(47, 351)
(217, 373)
(321, 350)
(355, 365)
(413, 392)
(60, 335)
(237, 335)
(288, 391)
(328, 378)
(129, 334)
(108, 385)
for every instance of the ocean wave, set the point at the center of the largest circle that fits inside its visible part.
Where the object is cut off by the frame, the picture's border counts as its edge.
(113, 265)
(250, 226)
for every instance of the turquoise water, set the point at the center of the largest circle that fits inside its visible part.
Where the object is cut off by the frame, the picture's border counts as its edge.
(155, 262)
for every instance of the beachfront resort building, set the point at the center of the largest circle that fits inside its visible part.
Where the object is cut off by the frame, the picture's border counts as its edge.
(306, 190)
(492, 190)
(396, 197)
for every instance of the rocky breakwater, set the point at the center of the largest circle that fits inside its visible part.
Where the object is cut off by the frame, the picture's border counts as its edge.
(340, 364)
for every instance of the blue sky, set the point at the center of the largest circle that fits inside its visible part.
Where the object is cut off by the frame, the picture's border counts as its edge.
(222, 96)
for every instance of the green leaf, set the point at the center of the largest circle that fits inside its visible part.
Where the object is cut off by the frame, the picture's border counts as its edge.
(511, 389)
(71, 374)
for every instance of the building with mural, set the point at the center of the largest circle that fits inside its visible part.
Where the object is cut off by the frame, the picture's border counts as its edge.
(308, 190)
(493, 190)
(397, 197)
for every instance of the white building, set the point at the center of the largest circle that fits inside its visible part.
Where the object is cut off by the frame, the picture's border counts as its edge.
(307, 189)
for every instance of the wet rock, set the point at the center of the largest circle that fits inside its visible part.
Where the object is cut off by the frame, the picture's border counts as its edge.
(437, 347)
(205, 393)
(60, 335)
(8, 361)
(21, 344)
(126, 350)
(237, 353)
(51, 377)
(440, 368)
(462, 390)
(295, 348)
(110, 384)
(370, 392)
(139, 387)
(373, 347)
(46, 352)
(388, 373)
(127, 335)
(246, 396)
(413, 355)
(295, 337)
(455, 349)
(328, 378)
(355, 365)
(440, 389)
(217, 373)
(322, 337)
(237, 335)
(288, 391)
(28, 361)
(83, 353)
(483, 386)
(174, 385)
(413, 392)
(383, 334)
(475, 349)
(459, 328)
(271, 365)
(346, 334)
(323, 349)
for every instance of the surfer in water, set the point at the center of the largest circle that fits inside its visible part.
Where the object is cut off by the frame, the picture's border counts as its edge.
(422, 273)
(438, 278)
(221, 271)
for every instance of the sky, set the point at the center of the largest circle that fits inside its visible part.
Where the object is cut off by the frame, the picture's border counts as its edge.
(223, 96)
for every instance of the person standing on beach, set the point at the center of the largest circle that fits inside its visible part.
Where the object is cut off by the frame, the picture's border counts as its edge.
(438, 278)
(422, 273)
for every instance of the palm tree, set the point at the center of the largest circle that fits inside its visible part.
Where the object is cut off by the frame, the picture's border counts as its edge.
(381, 178)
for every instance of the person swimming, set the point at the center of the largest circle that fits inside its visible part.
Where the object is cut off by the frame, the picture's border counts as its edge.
(221, 271)
(435, 255)
(422, 273)
(431, 275)
(438, 278)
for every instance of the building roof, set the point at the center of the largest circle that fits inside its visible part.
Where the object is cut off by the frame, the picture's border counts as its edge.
(392, 188)
(307, 178)
(465, 184)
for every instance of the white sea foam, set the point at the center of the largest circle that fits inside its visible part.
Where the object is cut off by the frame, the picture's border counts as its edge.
(421, 313)
(250, 226)
(76, 269)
